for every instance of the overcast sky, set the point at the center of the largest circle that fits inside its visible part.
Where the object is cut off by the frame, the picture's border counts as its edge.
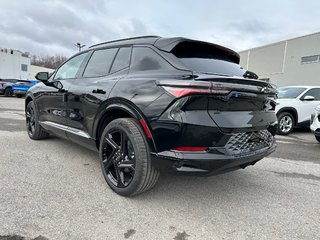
(53, 26)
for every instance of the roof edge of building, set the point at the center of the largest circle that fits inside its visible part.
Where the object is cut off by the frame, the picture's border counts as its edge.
(282, 41)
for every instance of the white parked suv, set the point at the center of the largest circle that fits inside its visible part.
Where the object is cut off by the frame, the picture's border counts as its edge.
(315, 123)
(295, 106)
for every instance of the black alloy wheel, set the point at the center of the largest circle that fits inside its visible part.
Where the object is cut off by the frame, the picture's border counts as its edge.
(35, 131)
(125, 158)
(119, 158)
(30, 120)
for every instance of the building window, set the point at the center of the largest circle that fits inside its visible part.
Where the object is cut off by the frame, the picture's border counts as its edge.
(24, 67)
(310, 59)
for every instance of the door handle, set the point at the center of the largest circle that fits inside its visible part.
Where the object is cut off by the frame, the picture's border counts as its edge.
(101, 91)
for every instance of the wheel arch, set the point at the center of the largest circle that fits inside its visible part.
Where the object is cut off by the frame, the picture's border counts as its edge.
(120, 108)
(28, 99)
(290, 110)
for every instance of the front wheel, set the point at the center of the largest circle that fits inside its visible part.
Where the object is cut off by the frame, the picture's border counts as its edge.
(318, 138)
(285, 123)
(125, 158)
(34, 129)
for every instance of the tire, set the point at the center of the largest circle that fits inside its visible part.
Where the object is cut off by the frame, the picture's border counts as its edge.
(318, 138)
(34, 129)
(8, 92)
(125, 158)
(285, 123)
(19, 95)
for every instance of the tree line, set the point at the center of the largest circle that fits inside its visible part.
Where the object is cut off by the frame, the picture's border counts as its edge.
(48, 61)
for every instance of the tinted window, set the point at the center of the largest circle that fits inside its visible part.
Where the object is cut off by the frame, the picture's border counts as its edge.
(315, 92)
(70, 68)
(206, 58)
(100, 62)
(144, 59)
(290, 92)
(122, 59)
(213, 66)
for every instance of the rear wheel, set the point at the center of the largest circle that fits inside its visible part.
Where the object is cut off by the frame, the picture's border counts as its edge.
(285, 123)
(35, 131)
(19, 95)
(8, 92)
(125, 158)
(318, 138)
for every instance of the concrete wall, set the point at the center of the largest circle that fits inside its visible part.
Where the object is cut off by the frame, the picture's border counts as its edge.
(281, 62)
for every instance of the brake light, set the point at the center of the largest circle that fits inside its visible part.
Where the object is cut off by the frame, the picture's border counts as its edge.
(191, 149)
(184, 88)
(180, 92)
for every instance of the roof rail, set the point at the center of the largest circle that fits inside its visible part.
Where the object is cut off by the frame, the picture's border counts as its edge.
(124, 39)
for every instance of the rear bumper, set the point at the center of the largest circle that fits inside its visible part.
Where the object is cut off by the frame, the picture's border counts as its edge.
(206, 164)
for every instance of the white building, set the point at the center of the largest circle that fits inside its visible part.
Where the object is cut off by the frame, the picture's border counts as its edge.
(291, 62)
(16, 65)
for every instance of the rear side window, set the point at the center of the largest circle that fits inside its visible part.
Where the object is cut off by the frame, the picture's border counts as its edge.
(206, 58)
(145, 59)
(122, 59)
(100, 62)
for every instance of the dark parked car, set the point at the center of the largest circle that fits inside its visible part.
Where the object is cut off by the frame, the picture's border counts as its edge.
(21, 88)
(150, 103)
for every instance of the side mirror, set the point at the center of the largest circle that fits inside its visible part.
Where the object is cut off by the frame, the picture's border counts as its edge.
(57, 85)
(42, 76)
(308, 98)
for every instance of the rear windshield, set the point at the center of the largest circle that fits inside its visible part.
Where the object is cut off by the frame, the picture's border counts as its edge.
(205, 58)
(287, 92)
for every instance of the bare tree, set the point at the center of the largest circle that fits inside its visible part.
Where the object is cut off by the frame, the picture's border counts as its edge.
(48, 61)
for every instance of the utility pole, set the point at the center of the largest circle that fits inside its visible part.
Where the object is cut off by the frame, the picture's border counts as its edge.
(79, 46)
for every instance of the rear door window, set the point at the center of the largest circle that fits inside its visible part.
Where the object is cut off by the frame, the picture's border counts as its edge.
(122, 60)
(100, 62)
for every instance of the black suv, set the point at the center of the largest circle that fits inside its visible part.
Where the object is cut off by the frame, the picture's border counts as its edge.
(150, 103)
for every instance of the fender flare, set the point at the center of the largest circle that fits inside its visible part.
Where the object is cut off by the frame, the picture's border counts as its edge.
(128, 107)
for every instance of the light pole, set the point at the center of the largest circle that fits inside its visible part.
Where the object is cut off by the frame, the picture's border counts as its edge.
(79, 46)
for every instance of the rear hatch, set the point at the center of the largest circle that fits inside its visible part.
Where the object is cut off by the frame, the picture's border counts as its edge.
(237, 102)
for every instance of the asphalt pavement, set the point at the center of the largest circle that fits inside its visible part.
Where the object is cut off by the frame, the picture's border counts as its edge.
(54, 189)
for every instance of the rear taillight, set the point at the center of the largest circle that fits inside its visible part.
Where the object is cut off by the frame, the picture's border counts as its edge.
(180, 92)
(184, 88)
